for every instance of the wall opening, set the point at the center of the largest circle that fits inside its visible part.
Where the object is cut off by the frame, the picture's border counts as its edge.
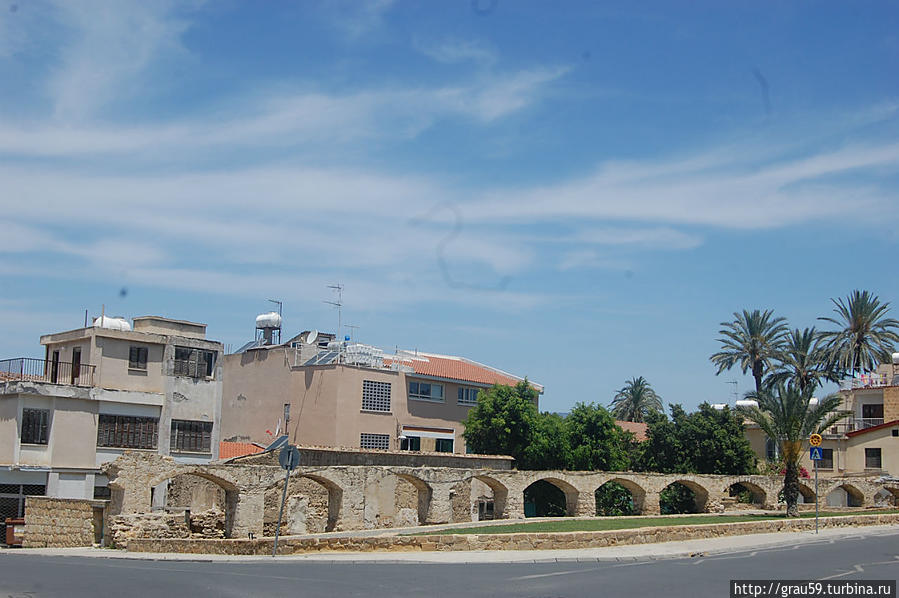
(683, 497)
(747, 493)
(617, 497)
(549, 498)
(312, 506)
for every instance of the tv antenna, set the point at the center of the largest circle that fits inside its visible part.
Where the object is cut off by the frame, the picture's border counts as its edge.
(353, 328)
(278, 303)
(338, 304)
(736, 394)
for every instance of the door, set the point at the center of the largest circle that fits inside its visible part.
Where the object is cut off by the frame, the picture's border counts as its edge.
(54, 368)
(76, 364)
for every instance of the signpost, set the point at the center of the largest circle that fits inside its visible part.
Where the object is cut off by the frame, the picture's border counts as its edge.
(289, 458)
(816, 453)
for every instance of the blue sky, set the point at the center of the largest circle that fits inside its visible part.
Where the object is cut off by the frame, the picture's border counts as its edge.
(580, 194)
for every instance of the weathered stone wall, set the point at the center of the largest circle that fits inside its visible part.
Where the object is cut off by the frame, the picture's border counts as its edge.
(305, 511)
(315, 456)
(369, 497)
(525, 541)
(194, 493)
(209, 524)
(62, 522)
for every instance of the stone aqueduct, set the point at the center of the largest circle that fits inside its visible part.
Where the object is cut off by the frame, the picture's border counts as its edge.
(367, 497)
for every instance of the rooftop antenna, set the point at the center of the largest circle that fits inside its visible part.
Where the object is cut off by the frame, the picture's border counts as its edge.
(736, 394)
(338, 304)
(278, 303)
(353, 328)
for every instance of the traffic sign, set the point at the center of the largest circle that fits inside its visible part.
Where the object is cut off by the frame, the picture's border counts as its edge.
(289, 457)
(815, 440)
(815, 453)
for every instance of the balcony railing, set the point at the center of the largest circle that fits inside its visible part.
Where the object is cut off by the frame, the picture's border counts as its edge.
(865, 381)
(43, 370)
(855, 423)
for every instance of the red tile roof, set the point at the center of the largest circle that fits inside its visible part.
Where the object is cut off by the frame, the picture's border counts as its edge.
(229, 450)
(457, 368)
(637, 428)
(872, 428)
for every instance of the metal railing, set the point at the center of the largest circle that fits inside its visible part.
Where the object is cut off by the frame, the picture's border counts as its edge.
(855, 423)
(866, 381)
(43, 370)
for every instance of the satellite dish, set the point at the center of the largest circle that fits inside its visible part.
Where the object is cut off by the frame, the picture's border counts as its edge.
(310, 338)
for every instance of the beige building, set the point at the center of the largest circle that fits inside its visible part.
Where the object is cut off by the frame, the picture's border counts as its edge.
(344, 394)
(154, 386)
(867, 441)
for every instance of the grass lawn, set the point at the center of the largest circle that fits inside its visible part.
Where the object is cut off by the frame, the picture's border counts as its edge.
(601, 524)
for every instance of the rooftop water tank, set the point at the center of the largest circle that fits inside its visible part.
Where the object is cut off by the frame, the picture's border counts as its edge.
(271, 319)
(112, 323)
(719, 406)
(747, 403)
(813, 401)
(895, 358)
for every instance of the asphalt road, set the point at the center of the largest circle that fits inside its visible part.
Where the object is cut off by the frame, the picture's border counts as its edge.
(35, 576)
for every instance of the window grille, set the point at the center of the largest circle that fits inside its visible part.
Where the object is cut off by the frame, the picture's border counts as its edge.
(193, 436)
(122, 431)
(35, 426)
(375, 396)
(374, 441)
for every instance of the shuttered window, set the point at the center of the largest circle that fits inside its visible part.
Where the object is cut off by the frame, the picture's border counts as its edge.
(123, 431)
(192, 436)
(35, 426)
(137, 358)
(195, 363)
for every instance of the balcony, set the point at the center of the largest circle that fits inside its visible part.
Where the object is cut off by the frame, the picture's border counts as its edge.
(41, 370)
(866, 381)
(854, 424)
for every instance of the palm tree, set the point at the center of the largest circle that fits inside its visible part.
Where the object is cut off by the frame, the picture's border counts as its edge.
(803, 362)
(785, 414)
(864, 337)
(753, 340)
(635, 400)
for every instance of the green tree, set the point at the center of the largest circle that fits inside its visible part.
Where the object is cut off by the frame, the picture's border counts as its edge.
(549, 448)
(803, 361)
(635, 400)
(595, 441)
(753, 341)
(865, 335)
(504, 421)
(785, 414)
(705, 441)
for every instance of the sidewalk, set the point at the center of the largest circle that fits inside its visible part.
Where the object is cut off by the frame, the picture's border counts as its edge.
(663, 550)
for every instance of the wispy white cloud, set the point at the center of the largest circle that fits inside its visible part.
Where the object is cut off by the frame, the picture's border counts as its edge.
(454, 50)
(109, 46)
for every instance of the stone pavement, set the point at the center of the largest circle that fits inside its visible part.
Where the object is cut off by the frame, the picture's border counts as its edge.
(663, 550)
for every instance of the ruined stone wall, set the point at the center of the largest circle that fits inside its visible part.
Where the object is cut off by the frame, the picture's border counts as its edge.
(329, 457)
(62, 522)
(194, 493)
(305, 511)
(522, 541)
(209, 524)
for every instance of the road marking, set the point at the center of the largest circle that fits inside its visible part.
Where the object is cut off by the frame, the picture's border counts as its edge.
(573, 571)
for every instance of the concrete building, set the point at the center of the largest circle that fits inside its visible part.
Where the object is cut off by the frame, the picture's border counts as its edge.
(866, 442)
(343, 394)
(155, 387)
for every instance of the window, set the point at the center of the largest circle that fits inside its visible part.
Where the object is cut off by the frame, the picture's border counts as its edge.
(122, 431)
(771, 450)
(444, 445)
(137, 358)
(827, 459)
(192, 436)
(468, 396)
(872, 458)
(195, 363)
(375, 396)
(425, 391)
(35, 426)
(12, 498)
(411, 443)
(872, 411)
(895, 431)
(375, 441)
